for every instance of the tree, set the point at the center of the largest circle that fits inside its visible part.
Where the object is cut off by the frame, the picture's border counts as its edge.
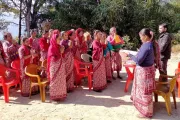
(31, 10)
(73, 14)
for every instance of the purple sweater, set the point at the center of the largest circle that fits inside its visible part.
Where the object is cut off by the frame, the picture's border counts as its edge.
(145, 56)
(65, 43)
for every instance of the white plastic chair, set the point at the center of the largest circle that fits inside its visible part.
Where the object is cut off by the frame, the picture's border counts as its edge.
(85, 57)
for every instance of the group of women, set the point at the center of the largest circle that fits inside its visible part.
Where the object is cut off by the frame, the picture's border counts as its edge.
(65, 47)
(60, 49)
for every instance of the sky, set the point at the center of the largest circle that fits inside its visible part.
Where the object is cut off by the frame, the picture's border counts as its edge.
(12, 28)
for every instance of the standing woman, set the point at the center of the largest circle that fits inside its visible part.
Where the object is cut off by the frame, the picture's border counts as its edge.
(116, 42)
(89, 40)
(69, 61)
(34, 44)
(80, 43)
(99, 70)
(71, 37)
(44, 45)
(56, 68)
(10, 48)
(144, 79)
(107, 55)
(25, 59)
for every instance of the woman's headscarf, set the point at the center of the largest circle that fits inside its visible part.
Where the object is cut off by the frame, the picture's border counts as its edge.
(77, 35)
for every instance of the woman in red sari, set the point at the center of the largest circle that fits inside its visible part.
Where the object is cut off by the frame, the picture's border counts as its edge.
(99, 70)
(80, 44)
(56, 69)
(44, 45)
(69, 61)
(71, 37)
(107, 55)
(34, 44)
(25, 59)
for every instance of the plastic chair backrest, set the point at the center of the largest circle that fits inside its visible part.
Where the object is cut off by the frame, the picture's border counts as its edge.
(33, 70)
(15, 64)
(172, 84)
(85, 57)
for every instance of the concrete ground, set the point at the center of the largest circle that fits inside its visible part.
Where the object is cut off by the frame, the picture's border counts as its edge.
(82, 104)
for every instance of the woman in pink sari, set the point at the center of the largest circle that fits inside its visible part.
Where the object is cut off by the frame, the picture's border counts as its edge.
(69, 61)
(116, 58)
(25, 59)
(56, 69)
(99, 70)
(80, 44)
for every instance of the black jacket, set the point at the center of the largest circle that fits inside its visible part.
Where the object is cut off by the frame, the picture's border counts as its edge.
(165, 46)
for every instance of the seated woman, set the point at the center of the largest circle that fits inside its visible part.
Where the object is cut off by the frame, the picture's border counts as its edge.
(56, 69)
(144, 79)
(99, 70)
(107, 55)
(69, 61)
(25, 59)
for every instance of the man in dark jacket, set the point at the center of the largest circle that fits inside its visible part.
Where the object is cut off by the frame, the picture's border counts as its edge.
(165, 48)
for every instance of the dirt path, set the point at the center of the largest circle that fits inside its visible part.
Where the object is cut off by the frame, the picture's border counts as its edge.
(111, 104)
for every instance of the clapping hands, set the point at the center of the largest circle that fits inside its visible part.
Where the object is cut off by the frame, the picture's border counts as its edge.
(70, 44)
(62, 48)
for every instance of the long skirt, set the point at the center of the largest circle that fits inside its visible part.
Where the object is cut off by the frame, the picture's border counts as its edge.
(43, 55)
(78, 54)
(26, 83)
(116, 62)
(69, 61)
(99, 74)
(58, 89)
(108, 66)
(143, 87)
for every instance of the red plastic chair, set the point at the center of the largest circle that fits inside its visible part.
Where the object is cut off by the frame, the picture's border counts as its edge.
(6, 84)
(83, 70)
(16, 64)
(130, 75)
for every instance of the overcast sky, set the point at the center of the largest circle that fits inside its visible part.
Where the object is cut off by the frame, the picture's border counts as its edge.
(12, 28)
